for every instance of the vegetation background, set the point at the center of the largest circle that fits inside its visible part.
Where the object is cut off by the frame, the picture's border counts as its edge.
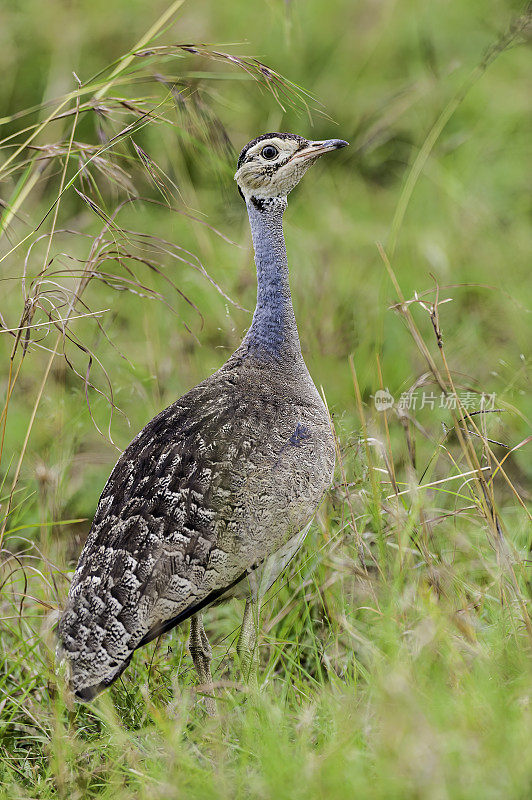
(395, 652)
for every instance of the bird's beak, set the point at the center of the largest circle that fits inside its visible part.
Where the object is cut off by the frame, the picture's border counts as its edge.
(315, 149)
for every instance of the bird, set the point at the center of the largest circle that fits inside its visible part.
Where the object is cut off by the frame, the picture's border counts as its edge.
(215, 495)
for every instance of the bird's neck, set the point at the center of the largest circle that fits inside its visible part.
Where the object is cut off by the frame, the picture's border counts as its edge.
(273, 332)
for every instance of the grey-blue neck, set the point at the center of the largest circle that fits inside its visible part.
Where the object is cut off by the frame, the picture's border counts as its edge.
(273, 332)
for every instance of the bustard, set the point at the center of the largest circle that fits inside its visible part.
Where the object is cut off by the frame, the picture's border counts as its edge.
(215, 495)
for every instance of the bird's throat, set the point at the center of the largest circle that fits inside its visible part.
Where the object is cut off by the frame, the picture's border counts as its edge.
(273, 332)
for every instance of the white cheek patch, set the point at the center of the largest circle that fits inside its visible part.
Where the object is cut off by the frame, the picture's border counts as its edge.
(260, 184)
(279, 184)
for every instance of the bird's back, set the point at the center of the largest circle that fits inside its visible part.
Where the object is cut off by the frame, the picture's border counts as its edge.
(210, 488)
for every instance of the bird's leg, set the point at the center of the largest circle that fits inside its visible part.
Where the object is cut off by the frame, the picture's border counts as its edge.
(247, 640)
(201, 653)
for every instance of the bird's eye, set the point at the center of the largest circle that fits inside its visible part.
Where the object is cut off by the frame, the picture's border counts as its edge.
(269, 152)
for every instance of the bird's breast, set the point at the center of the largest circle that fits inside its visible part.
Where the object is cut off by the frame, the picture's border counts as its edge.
(285, 466)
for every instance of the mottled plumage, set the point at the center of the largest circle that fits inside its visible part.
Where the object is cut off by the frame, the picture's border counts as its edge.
(213, 497)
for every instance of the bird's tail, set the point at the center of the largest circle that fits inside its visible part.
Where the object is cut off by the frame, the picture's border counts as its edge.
(76, 680)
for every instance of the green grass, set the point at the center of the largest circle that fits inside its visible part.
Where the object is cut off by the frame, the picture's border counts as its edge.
(395, 651)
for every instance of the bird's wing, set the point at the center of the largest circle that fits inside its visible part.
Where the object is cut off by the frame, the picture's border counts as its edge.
(153, 555)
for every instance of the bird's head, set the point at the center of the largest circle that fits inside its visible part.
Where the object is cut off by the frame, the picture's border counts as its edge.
(270, 166)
